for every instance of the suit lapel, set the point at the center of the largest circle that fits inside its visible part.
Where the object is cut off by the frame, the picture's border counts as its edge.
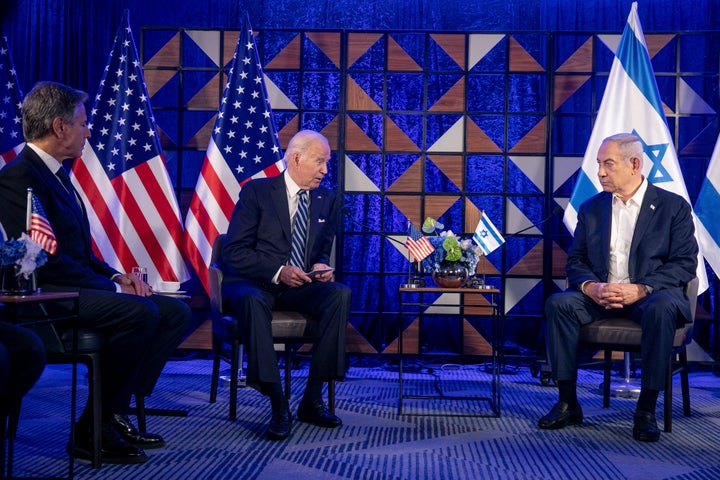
(280, 203)
(316, 201)
(606, 227)
(646, 215)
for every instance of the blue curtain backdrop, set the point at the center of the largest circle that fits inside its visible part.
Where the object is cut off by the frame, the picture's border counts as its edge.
(68, 41)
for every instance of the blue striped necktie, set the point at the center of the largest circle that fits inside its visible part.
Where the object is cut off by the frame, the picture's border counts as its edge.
(299, 231)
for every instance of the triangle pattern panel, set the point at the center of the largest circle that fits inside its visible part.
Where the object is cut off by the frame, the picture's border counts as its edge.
(396, 140)
(531, 263)
(521, 60)
(410, 181)
(689, 102)
(288, 131)
(167, 56)
(358, 44)
(566, 86)
(436, 206)
(611, 41)
(533, 168)
(156, 79)
(411, 340)
(331, 131)
(580, 60)
(657, 42)
(288, 58)
(207, 41)
(476, 140)
(472, 216)
(201, 138)
(445, 304)
(356, 139)
(533, 141)
(278, 99)
(516, 220)
(207, 97)
(356, 180)
(167, 119)
(452, 139)
(357, 99)
(398, 59)
(230, 39)
(436, 181)
(480, 45)
(165, 141)
(473, 341)
(563, 169)
(453, 45)
(452, 167)
(704, 142)
(559, 260)
(453, 100)
(355, 342)
(328, 43)
(485, 267)
(516, 289)
(477, 305)
(408, 205)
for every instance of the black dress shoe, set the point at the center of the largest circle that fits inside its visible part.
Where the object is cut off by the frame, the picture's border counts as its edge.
(317, 414)
(280, 425)
(645, 427)
(561, 415)
(113, 449)
(125, 428)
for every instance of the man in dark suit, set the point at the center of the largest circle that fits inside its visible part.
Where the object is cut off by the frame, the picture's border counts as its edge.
(141, 329)
(269, 264)
(633, 252)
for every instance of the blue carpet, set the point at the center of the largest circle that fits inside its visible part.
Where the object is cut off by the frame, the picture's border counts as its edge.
(375, 442)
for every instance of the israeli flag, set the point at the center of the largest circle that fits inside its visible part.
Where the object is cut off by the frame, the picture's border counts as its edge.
(631, 103)
(487, 236)
(707, 209)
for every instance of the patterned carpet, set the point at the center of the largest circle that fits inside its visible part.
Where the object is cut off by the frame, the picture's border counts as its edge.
(375, 442)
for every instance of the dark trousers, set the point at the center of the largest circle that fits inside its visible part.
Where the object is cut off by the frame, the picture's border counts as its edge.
(140, 335)
(327, 302)
(22, 361)
(567, 311)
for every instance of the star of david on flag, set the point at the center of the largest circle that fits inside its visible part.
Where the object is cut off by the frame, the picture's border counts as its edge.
(122, 178)
(244, 145)
(707, 209)
(631, 103)
(11, 135)
(487, 236)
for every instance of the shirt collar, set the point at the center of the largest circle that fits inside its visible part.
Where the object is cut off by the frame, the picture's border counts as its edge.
(51, 162)
(292, 187)
(639, 195)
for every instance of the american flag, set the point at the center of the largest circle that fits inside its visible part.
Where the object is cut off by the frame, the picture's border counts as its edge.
(11, 136)
(41, 231)
(244, 145)
(418, 245)
(122, 177)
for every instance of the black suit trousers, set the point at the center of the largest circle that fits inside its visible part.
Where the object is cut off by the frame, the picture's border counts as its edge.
(567, 311)
(22, 360)
(140, 335)
(327, 302)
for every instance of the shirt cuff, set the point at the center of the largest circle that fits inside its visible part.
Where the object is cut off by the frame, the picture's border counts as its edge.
(276, 278)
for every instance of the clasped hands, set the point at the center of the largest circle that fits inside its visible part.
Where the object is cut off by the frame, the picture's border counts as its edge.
(615, 295)
(131, 284)
(295, 276)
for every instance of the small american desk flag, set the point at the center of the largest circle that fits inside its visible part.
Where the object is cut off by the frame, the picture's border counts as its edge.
(417, 244)
(122, 178)
(244, 145)
(41, 231)
(11, 136)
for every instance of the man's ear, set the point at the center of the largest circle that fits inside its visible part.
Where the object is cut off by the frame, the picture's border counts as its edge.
(58, 126)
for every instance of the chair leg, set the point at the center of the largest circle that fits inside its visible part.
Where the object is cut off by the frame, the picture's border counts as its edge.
(685, 383)
(95, 386)
(234, 354)
(606, 378)
(288, 359)
(667, 408)
(140, 409)
(331, 396)
(215, 377)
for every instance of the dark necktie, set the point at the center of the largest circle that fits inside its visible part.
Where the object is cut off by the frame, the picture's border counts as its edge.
(299, 231)
(65, 180)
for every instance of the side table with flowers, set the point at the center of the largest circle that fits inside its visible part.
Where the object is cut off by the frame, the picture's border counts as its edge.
(454, 260)
(18, 261)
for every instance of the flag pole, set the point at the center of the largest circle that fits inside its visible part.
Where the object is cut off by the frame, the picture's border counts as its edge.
(28, 211)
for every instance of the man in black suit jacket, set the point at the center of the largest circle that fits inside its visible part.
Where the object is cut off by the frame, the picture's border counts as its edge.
(141, 329)
(260, 277)
(633, 252)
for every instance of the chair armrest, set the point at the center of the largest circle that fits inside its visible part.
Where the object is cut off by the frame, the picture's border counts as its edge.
(215, 277)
